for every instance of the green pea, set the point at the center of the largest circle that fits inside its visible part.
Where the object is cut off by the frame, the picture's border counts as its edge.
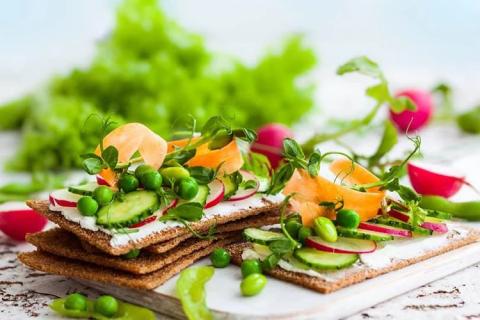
(469, 210)
(103, 195)
(128, 183)
(250, 266)
(76, 301)
(186, 188)
(253, 284)
(106, 305)
(348, 218)
(174, 173)
(87, 206)
(325, 229)
(220, 258)
(141, 169)
(151, 180)
(293, 227)
(304, 233)
(132, 254)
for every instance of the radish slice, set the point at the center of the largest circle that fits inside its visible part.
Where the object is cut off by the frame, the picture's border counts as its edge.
(436, 182)
(172, 204)
(64, 198)
(101, 181)
(435, 227)
(242, 194)
(342, 245)
(144, 222)
(396, 232)
(17, 223)
(431, 225)
(217, 191)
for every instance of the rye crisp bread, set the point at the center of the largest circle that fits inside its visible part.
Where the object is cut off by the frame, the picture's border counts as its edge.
(238, 225)
(356, 276)
(65, 244)
(101, 240)
(46, 262)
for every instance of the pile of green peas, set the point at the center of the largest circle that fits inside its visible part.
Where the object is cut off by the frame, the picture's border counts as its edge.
(253, 280)
(146, 176)
(105, 305)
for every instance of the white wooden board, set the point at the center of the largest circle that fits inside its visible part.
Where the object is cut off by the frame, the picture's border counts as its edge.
(281, 300)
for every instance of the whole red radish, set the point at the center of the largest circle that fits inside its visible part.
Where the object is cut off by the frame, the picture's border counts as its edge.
(270, 142)
(414, 120)
(17, 221)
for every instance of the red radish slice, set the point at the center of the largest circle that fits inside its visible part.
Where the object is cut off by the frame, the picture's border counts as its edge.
(435, 227)
(172, 204)
(436, 181)
(342, 245)
(17, 223)
(399, 215)
(64, 198)
(242, 194)
(144, 222)
(431, 225)
(217, 191)
(396, 232)
(101, 181)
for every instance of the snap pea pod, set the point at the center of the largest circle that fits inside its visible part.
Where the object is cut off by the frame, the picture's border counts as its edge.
(470, 121)
(469, 210)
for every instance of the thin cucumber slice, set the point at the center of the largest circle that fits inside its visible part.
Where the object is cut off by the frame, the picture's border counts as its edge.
(134, 207)
(201, 197)
(439, 215)
(403, 225)
(84, 189)
(324, 260)
(261, 236)
(342, 245)
(363, 234)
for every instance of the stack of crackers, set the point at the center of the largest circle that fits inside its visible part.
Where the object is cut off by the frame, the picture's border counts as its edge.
(75, 252)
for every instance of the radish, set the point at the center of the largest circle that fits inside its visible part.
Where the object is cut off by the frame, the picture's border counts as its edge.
(144, 222)
(435, 227)
(414, 120)
(16, 223)
(217, 191)
(437, 181)
(396, 232)
(431, 225)
(102, 182)
(242, 193)
(64, 198)
(270, 142)
(342, 245)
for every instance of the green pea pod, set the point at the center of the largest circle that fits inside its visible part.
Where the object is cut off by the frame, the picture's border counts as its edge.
(469, 210)
(191, 292)
(470, 121)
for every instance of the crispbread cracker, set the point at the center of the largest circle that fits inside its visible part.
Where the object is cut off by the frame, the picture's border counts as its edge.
(49, 263)
(356, 276)
(101, 240)
(238, 225)
(64, 244)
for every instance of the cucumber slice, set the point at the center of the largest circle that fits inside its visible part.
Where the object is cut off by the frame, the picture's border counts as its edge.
(261, 236)
(134, 207)
(324, 260)
(403, 225)
(201, 197)
(363, 234)
(439, 215)
(84, 189)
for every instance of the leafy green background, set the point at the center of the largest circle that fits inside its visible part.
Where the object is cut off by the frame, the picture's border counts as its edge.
(153, 71)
